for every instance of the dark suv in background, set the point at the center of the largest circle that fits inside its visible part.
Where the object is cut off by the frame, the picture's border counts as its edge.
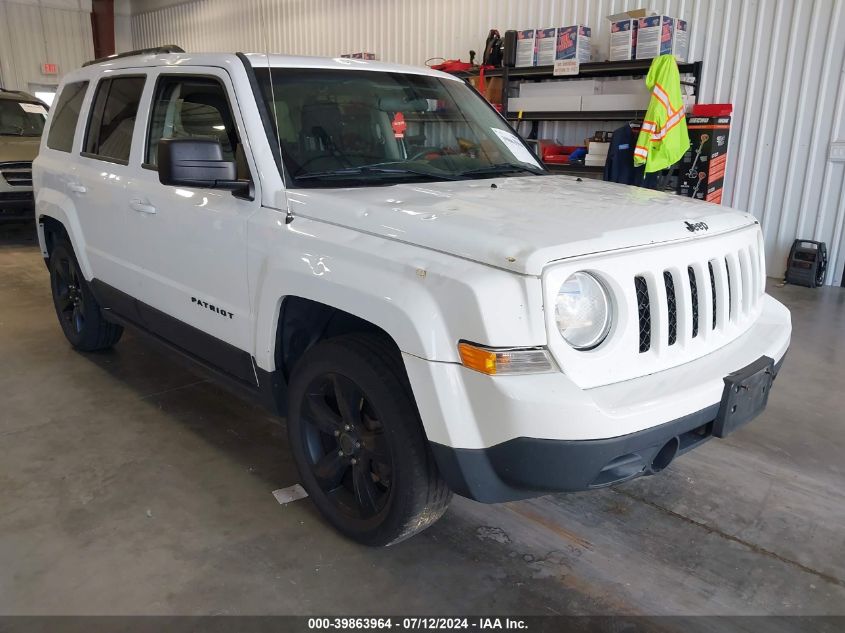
(22, 119)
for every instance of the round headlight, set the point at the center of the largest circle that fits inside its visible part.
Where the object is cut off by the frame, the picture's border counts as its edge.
(583, 311)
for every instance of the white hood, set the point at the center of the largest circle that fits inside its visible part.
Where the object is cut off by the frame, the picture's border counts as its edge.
(519, 224)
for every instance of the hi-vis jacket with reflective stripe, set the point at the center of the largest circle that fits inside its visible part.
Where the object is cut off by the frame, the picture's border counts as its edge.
(663, 139)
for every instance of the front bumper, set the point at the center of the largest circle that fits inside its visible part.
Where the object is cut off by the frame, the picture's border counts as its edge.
(510, 437)
(528, 467)
(16, 205)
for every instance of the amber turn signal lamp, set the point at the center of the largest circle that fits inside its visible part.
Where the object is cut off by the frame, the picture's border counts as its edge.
(503, 361)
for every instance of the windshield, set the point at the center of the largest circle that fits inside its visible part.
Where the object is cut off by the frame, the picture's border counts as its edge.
(356, 128)
(21, 119)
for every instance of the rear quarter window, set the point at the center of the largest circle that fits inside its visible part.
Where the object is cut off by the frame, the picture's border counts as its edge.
(65, 116)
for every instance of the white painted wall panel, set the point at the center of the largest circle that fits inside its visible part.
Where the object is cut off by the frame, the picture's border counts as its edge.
(57, 31)
(780, 62)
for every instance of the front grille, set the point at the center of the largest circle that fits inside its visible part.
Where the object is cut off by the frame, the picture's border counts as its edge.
(664, 305)
(693, 286)
(644, 310)
(671, 306)
(17, 174)
(734, 293)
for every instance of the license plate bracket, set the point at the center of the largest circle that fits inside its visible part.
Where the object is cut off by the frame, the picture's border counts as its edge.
(745, 395)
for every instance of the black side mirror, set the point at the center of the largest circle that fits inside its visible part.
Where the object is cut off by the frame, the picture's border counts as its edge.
(196, 162)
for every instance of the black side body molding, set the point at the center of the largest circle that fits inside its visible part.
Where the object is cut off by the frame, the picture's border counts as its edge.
(232, 367)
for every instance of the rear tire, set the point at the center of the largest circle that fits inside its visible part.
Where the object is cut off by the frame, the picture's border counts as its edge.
(358, 442)
(79, 313)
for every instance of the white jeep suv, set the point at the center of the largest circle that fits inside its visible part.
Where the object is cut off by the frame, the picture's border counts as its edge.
(374, 253)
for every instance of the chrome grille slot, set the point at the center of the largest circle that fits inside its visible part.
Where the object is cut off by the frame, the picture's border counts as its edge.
(694, 294)
(730, 290)
(17, 174)
(746, 274)
(713, 292)
(644, 312)
(671, 306)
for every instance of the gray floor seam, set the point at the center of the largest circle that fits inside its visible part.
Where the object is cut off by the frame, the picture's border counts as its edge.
(735, 539)
(171, 390)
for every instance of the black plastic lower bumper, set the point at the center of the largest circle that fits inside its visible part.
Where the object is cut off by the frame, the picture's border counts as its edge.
(529, 467)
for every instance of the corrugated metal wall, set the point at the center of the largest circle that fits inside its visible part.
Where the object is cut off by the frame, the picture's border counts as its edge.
(780, 62)
(31, 33)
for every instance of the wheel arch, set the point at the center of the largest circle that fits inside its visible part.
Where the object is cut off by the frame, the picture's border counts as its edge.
(50, 231)
(304, 322)
(53, 223)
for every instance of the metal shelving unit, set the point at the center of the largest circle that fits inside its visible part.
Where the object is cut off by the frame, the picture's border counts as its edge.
(579, 115)
(690, 76)
(632, 68)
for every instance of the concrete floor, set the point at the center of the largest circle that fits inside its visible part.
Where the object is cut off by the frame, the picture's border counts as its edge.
(130, 485)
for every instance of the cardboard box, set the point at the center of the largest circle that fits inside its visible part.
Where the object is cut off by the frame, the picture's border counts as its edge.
(702, 169)
(525, 48)
(623, 34)
(570, 88)
(492, 90)
(544, 47)
(574, 42)
(604, 103)
(662, 35)
(584, 87)
(624, 87)
(545, 104)
(597, 148)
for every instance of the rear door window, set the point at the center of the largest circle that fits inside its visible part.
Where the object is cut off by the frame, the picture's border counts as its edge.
(112, 120)
(66, 115)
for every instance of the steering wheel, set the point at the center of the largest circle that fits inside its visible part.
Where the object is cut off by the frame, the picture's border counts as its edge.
(340, 158)
(424, 153)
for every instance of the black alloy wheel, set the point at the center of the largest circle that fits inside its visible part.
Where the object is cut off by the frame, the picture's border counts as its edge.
(67, 292)
(346, 446)
(358, 441)
(79, 313)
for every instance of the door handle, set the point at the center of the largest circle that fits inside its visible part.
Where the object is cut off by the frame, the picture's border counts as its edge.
(77, 188)
(142, 207)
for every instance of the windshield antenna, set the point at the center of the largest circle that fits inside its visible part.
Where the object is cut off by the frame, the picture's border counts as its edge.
(282, 170)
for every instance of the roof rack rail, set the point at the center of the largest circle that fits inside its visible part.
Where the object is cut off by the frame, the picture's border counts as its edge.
(169, 48)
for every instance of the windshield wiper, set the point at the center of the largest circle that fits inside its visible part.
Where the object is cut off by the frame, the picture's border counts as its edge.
(501, 168)
(364, 171)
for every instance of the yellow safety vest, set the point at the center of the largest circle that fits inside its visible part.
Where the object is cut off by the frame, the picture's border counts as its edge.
(663, 139)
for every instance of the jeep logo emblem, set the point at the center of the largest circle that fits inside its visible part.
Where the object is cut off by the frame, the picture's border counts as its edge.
(698, 226)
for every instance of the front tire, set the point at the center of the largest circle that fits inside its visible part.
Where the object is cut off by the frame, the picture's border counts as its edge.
(358, 442)
(78, 311)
